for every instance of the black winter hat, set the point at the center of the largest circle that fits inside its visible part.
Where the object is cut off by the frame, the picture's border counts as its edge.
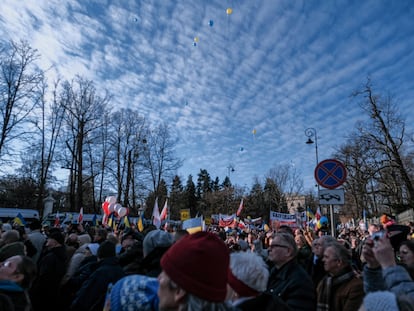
(57, 236)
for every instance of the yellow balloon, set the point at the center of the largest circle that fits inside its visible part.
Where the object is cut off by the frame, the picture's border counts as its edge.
(196, 39)
(229, 11)
(254, 131)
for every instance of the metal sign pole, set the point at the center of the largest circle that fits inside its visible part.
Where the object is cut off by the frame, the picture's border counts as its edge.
(331, 210)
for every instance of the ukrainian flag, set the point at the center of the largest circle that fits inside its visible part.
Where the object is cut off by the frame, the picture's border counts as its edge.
(193, 225)
(310, 214)
(19, 220)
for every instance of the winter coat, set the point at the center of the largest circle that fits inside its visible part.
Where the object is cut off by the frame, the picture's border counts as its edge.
(293, 285)
(91, 296)
(45, 289)
(347, 295)
(395, 279)
(16, 294)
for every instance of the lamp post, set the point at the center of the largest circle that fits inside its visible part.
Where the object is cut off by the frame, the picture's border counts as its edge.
(311, 132)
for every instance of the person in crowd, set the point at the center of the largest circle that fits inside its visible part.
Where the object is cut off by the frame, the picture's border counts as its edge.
(247, 281)
(372, 228)
(304, 251)
(178, 234)
(341, 289)
(72, 244)
(386, 301)
(12, 246)
(406, 253)
(247, 277)
(37, 238)
(91, 296)
(100, 235)
(381, 271)
(52, 267)
(288, 280)
(81, 266)
(16, 277)
(315, 267)
(133, 293)
(155, 244)
(194, 274)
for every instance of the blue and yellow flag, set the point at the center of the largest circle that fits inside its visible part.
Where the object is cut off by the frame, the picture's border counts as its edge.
(309, 213)
(126, 222)
(19, 220)
(193, 225)
(111, 220)
(95, 221)
(140, 224)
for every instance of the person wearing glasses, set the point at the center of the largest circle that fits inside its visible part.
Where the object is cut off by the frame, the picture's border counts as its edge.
(16, 276)
(288, 280)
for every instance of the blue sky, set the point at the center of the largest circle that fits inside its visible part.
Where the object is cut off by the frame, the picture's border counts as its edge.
(273, 66)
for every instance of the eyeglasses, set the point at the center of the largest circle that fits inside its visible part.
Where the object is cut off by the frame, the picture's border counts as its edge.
(271, 246)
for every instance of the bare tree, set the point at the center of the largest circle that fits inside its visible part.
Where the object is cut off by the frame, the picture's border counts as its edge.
(40, 157)
(83, 116)
(19, 81)
(159, 159)
(386, 133)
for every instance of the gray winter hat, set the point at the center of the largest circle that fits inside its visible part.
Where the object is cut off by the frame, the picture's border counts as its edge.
(154, 239)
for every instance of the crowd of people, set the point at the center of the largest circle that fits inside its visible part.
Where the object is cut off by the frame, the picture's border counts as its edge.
(97, 268)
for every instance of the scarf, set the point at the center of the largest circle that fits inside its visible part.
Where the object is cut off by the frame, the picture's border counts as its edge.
(325, 290)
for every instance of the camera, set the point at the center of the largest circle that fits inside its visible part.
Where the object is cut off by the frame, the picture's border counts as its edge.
(378, 235)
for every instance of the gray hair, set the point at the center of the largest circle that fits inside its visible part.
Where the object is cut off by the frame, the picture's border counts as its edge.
(250, 269)
(341, 252)
(289, 239)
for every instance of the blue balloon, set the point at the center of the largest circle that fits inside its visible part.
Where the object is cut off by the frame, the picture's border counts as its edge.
(211, 23)
(324, 220)
(195, 43)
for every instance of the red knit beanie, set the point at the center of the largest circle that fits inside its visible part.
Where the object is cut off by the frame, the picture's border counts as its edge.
(198, 263)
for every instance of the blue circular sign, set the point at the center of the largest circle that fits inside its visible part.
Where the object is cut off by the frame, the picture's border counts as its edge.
(330, 173)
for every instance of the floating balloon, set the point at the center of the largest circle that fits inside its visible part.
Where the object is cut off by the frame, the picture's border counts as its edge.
(122, 211)
(111, 208)
(229, 11)
(117, 207)
(196, 39)
(194, 44)
(254, 131)
(211, 23)
(111, 199)
(105, 207)
(241, 149)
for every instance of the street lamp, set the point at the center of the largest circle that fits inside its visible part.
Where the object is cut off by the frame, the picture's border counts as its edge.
(311, 132)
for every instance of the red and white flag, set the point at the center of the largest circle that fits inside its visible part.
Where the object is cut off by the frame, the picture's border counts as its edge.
(80, 217)
(239, 210)
(156, 221)
(164, 212)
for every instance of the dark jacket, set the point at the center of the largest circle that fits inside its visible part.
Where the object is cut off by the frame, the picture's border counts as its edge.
(91, 295)
(316, 270)
(263, 302)
(293, 285)
(16, 294)
(45, 290)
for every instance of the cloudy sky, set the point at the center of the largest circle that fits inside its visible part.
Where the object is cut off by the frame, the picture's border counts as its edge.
(237, 89)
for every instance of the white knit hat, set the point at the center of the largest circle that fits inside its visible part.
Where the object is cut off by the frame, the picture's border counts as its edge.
(381, 301)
